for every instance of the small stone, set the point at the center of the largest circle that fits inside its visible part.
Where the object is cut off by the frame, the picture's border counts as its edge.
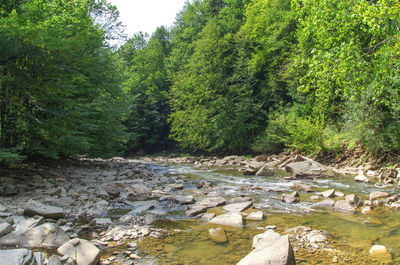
(328, 193)
(231, 219)
(366, 209)
(375, 195)
(344, 206)
(325, 203)
(255, 216)
(217, 235)
(380, 251)
(353, 200)
(361, 177)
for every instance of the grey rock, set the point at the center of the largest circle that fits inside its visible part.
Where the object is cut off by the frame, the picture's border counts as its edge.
(265, 172)
(375, 195)
(101, 221)
(238, 207)
(22, 225)
(36, 208)
(40, 258)
(183, 199)
(344, 206)
(138, 189)
(5, 228)
(353, 200)
(302, 187)
(361, 177)
(307, 169)
(289, 198)
(54, 260)
(82, 251)
(3, 208)
(17, 257)
(255, 216)
(230, 219)
(140, 207)
(113, 189)
(204, 204)
(270, 248)
(48, 235)
(317, 236)
(208, 216)
(328, 193)
(325, 203)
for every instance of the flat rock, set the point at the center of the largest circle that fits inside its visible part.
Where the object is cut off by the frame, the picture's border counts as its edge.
(317, 236)
(196, 210)
(2, 208)
(344, 206)
(36, 208)
(17, 257)
(183, 199)
(208, 216)
(23, 225)
(375, 195)
(82, 251)
(265, 172)
(238, 207)
(366, 209)
(140, 207)
(308, 168)
(54, 260)
(361, 178)
(328, 193)
(325, 203)
(138, 189)
(101, 221)
(230, 219)
(212, 202)
(217, 235)
(270, 248)
(302, 187)
(5, 228)
(47, 235)
(255, 216)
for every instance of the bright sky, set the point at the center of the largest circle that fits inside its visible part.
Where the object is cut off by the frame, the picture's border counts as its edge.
(147, 15)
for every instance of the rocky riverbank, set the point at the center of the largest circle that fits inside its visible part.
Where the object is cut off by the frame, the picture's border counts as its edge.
(90, 211)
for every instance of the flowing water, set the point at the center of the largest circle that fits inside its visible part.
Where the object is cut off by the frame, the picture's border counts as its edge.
(187, 242)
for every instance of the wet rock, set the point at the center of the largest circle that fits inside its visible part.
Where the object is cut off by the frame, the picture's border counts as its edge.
(318, 236)
(289, 198)
(325, 203)
(328, 193)
(353, 200)
(248, 171)
(361, 177)
(217, 235)
(238, 207)
(338, 193)
(40, 258)
(138, 189)
(380, 251)
(183, 199)
(196, 210)
(36, 208)
(2, 208)
(204, 184)
(366, 209)
(176, 186)
(271, 248)
(265, 172)
(375, 195)
(112, 189)
(17, 257)
(255, 216)
(230, 219)
(23, 225)
(208, 216)
(307, 169)
(54, 260)
(47, 235)
(82, 251)
(140, 207)
(302, 187)
(344, 206)
(101, 221)
(5, 227)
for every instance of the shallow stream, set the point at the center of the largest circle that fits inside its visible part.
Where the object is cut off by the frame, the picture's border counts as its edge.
(187, 242)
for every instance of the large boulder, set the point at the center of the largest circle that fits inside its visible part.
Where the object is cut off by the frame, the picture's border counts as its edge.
(36, 208)
(82, 251)
(270, 248)
(230, 219)
(308, 169)
(47, 235)
(265, 171)
(17, 257)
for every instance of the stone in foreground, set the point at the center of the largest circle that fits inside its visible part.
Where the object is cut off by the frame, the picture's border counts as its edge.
(270, 248)
(380, 251)
(238, 207)
(17, 257)
(36, 208)
(231, 219)
(82, 251)
(47, 235)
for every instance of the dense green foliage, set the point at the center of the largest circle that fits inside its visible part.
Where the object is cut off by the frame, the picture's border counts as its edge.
(60, 83)
(229, 76)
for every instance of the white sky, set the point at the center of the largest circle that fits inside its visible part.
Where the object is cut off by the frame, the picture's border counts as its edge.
(147, 15)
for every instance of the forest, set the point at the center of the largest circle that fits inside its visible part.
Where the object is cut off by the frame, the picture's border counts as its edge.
(230, 76)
